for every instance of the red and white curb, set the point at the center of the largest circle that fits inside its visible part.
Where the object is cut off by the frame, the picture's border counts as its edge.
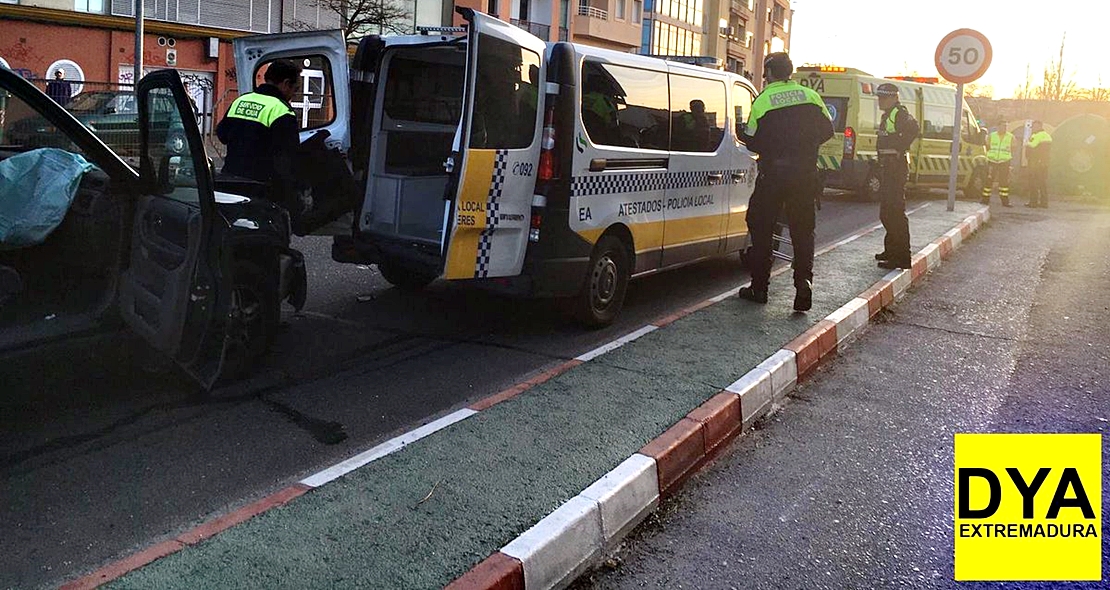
(556, 550)
(564, 543)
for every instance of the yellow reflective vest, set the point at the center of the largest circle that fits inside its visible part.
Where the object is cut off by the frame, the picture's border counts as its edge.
(998, 148)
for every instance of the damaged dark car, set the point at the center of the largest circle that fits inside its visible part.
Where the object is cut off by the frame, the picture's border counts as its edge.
(88, 244)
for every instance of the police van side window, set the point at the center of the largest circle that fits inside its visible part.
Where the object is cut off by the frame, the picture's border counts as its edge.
(625, 107)
(938, 122)
(697, 113)
(741, 106)
(505, 95)
(314, 102)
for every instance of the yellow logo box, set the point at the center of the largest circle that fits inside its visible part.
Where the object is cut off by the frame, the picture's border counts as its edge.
(1028, 507)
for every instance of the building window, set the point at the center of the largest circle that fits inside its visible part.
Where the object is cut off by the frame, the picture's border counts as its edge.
(620, 9)
(637, 10)
(73, 74)
(93, 6)
(493, 8)
(778, 14)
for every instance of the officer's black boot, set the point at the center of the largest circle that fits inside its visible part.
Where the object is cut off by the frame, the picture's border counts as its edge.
(752, 294)
(803, 298)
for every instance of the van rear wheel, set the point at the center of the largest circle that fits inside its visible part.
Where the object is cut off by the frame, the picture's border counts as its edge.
(403, 278)
(602, 294)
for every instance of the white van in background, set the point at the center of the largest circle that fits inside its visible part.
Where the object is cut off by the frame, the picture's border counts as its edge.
(488, 156)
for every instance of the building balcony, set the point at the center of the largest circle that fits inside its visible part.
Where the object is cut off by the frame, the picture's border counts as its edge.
(740, 7)
(538, 29)
(598, 26)
(590, 11)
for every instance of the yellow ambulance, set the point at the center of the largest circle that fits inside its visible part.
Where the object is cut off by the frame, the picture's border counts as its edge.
(847, 161)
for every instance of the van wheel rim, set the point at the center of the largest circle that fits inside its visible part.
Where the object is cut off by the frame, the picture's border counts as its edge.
(604, 283)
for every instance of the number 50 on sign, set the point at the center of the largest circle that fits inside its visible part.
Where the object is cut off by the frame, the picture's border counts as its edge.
(963, 56)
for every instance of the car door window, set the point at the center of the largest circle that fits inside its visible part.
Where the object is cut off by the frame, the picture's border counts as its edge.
(173, 167)
(22, 128)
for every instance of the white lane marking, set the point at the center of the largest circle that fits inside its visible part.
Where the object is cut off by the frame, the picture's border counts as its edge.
(390, 446)
(619, 342)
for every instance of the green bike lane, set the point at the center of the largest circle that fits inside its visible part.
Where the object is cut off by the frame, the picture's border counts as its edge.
(424, 515)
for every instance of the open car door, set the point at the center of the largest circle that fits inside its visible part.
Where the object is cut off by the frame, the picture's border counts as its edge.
(489, 205)
(175, 291)
(324, 100)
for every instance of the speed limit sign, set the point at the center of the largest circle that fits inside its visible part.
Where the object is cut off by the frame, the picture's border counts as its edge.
(963, 55)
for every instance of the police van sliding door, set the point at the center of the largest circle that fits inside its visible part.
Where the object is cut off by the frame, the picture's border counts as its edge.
(499, 146)
(700, 169)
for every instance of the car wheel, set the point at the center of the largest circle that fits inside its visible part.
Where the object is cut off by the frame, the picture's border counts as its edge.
(176, 143)
(602, 294)
(403, 278)
(252, 318)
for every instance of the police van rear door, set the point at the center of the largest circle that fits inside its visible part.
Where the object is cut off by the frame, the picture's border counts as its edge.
(496, 151)
(323, 102)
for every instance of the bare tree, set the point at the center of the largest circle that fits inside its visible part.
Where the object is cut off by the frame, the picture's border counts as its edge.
(1099, 92)
(1058, 85)
(359, 18)
(977, 90)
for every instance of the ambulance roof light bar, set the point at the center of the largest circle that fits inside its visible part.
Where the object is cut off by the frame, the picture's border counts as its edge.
(922, 79)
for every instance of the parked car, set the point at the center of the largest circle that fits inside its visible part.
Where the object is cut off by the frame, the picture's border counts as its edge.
(198, 273)
(113, 116)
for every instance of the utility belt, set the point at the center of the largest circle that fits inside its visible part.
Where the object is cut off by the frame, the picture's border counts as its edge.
(893, 157)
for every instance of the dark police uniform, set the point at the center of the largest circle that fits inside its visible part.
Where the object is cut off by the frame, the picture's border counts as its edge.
(262, 137)
(788, 124)
(897, 130)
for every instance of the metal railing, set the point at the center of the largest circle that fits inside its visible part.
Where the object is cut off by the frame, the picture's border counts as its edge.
(538, 29)
(590, 11)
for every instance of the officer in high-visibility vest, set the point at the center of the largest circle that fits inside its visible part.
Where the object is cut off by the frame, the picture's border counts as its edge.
(788, 123)
(1039, 152)
(262, 134)
(897, 130)
(999, 157)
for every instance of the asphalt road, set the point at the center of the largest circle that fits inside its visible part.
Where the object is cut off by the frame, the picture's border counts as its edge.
(104, 450)
(850, 485)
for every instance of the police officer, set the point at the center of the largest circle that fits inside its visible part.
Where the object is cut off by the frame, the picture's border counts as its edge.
(999, 156)
(1039, 149)
(262, 134)
(897, 130)
(788, 123)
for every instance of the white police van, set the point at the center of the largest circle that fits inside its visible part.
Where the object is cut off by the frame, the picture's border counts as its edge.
(487, 155)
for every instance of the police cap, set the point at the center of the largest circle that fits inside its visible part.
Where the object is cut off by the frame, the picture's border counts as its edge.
(886, 89)
(777, 66)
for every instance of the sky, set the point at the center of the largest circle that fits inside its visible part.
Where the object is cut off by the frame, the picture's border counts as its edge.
(891, 38)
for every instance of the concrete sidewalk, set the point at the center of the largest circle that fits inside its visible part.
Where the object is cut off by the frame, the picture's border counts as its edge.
(476, 489)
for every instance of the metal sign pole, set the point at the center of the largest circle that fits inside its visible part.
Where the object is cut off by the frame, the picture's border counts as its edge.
(138, 43)
(954, 161)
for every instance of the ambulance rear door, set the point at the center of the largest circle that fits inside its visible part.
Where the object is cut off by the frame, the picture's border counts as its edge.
(495, 156)
(323, 100)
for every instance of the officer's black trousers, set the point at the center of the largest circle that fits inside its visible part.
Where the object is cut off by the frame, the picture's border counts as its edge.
(792, 195)
(1038, 181)
(893, 173)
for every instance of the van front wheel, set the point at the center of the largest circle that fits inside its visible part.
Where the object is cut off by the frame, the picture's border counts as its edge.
(403, 278)
(602, 295)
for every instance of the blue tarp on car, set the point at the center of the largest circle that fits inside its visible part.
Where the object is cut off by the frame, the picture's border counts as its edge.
(36, 189)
